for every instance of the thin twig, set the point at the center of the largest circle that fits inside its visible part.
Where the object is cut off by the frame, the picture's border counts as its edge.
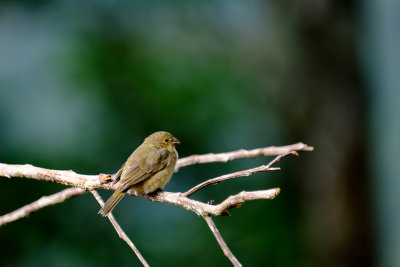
(238, 174)
(279, 157)
(119, 230)
(241, 154)
(225, 177)
(42, 202)
(227, 252)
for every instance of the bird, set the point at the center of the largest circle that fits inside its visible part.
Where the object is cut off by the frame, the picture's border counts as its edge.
(147, 169)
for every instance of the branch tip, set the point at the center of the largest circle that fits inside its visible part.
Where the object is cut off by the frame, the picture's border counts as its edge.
(308, 148)
(277, 191)
(274, 169)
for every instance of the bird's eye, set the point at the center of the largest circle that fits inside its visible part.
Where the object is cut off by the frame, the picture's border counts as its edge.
(166, 140)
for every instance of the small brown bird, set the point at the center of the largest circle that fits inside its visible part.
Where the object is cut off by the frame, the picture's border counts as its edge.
(147, 169)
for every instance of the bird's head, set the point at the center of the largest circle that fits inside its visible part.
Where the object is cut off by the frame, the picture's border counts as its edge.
(162, 139)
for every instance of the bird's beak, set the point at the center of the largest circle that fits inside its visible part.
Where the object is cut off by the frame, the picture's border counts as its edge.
(175, 141)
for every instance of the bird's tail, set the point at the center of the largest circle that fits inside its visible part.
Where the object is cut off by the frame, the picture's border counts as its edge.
(111, 203)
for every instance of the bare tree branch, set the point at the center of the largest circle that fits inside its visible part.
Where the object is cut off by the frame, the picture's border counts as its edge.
(177, 199)
(56, 176)
(119, 230)
(42, 202)
(225, 177)
(247, 172)
(227, 252)
(203, 209)
(98, 181)
(91, 182)
(241, 154)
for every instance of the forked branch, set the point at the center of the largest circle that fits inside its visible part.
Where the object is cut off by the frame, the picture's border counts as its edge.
(83, 183)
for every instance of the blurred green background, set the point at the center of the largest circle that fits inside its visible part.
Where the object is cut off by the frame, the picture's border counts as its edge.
(83, 82)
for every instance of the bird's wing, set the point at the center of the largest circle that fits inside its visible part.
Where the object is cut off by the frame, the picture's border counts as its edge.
(118, 174)
(138, 171)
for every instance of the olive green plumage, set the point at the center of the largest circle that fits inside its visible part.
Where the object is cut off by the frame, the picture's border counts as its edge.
(147, 169)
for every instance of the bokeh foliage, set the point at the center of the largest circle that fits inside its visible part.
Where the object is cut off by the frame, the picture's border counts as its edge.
(83, 82)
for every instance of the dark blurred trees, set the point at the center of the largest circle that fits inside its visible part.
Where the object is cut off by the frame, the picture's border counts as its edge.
(335, 188)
